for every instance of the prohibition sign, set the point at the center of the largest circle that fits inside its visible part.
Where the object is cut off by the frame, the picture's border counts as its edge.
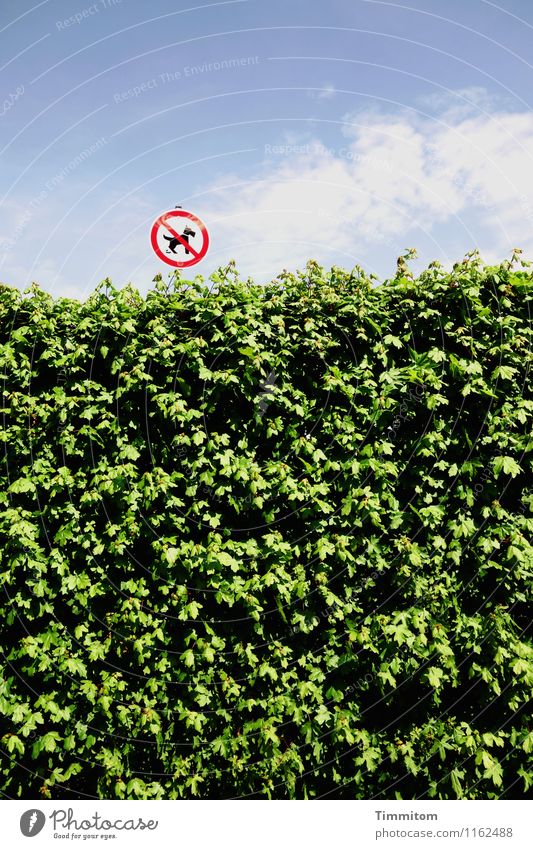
(176, 234)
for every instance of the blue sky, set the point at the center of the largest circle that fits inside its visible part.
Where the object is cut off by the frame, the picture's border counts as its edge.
(343, 131)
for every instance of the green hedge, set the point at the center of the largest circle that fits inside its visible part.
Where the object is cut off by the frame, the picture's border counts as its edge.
(269, 541)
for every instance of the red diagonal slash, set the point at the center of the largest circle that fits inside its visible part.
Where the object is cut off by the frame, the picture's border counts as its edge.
(177, 236)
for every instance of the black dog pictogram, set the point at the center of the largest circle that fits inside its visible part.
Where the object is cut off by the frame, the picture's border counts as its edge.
(175, 243)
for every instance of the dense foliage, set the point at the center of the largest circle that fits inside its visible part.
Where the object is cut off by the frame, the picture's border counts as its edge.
(268, 541)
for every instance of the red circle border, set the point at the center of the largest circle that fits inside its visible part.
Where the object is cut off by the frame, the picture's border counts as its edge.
(179, 213)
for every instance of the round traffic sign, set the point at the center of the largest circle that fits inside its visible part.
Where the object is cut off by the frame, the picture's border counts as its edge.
(179, 238)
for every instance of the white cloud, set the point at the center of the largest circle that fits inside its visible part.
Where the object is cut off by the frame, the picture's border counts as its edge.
(325, 93)
(459, 102)
(453, 181)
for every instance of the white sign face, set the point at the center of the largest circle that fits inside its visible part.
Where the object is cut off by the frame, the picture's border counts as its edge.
(179, 238)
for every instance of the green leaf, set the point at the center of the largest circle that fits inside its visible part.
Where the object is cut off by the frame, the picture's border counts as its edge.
(22, 485)
(506, 465)
(13, 743)
(188, 658)
(456, 776)
(323, 715)
(171, 555)
(435, 677)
